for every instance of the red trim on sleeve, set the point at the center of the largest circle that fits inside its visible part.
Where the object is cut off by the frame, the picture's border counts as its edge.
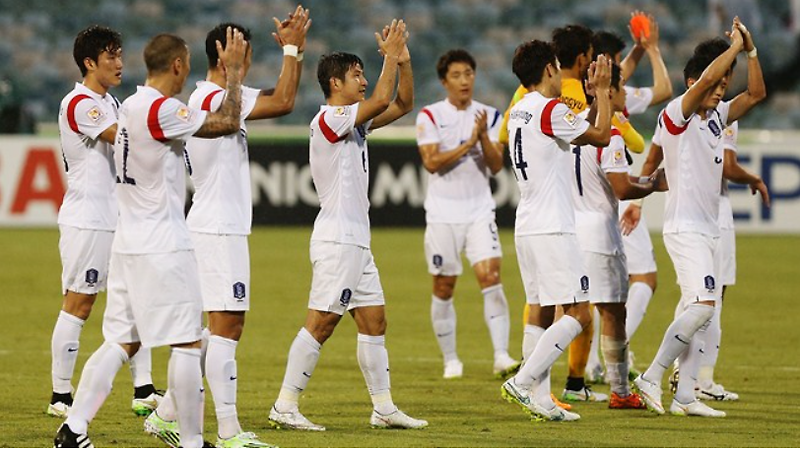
(430, 115)
(152, 120)
(616, 132)
(330, 135)
(625, 112)
(207, 101)
(671, 127)
(547, 120)
(599, 155)
(73, 103)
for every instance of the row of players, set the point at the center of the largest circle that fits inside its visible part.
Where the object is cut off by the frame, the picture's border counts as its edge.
(155, 257)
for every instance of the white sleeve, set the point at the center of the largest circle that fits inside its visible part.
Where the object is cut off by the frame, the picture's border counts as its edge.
(612, 158)
(339, 121)
(427, 131)
(495, 121)
(563, 123)
(638, 99)
(723, 109)
(673, 120)
(731, 136)
(249, 100)
(178, 121)
(92, 119)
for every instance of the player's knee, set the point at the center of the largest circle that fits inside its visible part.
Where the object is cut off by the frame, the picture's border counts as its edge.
(444, 286)
(489, 279)
(580, 312)
(79, 304)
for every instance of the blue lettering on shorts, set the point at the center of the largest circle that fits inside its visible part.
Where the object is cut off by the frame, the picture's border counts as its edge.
(239, 290)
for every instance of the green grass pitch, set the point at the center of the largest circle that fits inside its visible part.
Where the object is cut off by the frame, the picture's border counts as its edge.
(759, 356)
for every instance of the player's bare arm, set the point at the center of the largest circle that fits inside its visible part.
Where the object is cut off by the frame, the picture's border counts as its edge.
(225, 121)
(404, 101)
(435, 161)
(492, 151)
(631, 61)
(756, 89)
(654, 158)
(390, 46)
(626, 187)
(280, 100)
(734, 172)
(600, 78)
(662, 86)
(633, 214)
(110, 134)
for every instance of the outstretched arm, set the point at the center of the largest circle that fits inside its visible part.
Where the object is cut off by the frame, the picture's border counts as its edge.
(662, 86)
(756, 89)
(403, 103)
(391, 46)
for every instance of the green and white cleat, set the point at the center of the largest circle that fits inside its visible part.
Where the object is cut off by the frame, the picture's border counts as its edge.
(695, 408)
(145, 406)
(398, 419)
(519, 395)
(167, 431)
(292, 420)
(58, 409)
(584, 395)
(505, 367)
(247, 440)
(649, 392)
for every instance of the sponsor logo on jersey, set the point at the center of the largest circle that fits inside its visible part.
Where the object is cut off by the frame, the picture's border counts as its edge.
(238, 290)
(95, 114)
(341, 112)
(717, 160)
(571, 119)
(709, 281)
(184, 114)
(91, 276)
(344, 300)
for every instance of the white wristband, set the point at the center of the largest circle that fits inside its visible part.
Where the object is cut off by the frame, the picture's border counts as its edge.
(644, 180)
(290, 50)
(753, 53)
(299, 57)
(637, 202)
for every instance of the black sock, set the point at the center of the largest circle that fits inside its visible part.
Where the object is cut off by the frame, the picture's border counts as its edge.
(575, 383)
(143, 392)
(64, 398)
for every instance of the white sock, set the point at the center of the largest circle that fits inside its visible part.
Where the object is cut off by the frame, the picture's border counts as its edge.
(531, 337)
(64, 348)
(443, 317)
(374, 362)
(303, 357)
(551, 345)
(186, 385)
(222, 377)
(495, 314)
(142, 368)
(615, 353)
(711, 337)
(204, 337)
(95, 385)
(594, 349)
(690, 362)
(677, 337)
(166, 409)
(639, 295)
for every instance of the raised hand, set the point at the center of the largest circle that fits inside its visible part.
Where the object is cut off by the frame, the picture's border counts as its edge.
(232, 56)
(735, 35)
(652, 41)
(747, 38)
(481, 123)
(293, 30)
(392, 41)
(600, 73)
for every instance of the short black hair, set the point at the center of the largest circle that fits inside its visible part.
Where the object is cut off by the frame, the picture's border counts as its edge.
(335, 65)
(704, 54)
(453, 56)
(608, 43)
(162, 50)
(616, 76)
(93, 41)
(219, 33)
(571, 41)
(530, 59)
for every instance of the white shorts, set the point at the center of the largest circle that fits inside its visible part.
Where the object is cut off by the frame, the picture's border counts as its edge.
(84, 259)
(445, 242)
(153, 299)
(344, 277)
(609, 277)
(638, 246)
(727, 251)
(223, 264)
(552, 269)
(696, 260)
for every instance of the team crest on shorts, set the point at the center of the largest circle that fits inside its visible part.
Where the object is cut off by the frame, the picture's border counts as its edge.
(239, 290)
(91, 276)
(344, 300)
(585, 284)
(709, 281)
(438, 260)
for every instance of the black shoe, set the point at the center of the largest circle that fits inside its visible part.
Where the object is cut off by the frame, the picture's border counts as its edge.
(66, 438)
(207, 445)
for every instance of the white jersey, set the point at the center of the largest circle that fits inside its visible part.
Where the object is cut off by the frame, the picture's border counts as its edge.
(89, 202)
(540, 131)
(220, 169)
(340, 170)
(596, 205)
(637, 100)
(461, 192)
(693, 163)
(729, 139)
(149, 157)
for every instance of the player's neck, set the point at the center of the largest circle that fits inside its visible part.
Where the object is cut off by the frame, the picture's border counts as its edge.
(571, 72)
(163, 84)
(216, 76)
(92, 83)
(336, 100)
(459, 104)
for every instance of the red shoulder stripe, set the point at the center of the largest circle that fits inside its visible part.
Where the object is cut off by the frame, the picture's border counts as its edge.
(152, 120)
(430, 115)
(616, 132)
(547, 120)
(207, 101)
(599, 155)
(330, 135)
(671, 127)
(73, 103)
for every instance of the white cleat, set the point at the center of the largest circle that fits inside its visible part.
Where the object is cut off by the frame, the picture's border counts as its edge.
(695, 408)
(398, 419)
(453, 369)
(145, 406)
(584, 395)
(649, 392)
(715, 392)
(519, 395)
(505, 366)
(58, 409)
(292, 420)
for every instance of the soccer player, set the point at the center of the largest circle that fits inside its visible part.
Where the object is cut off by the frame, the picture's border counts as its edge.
(87, 123)
(154, 294)
(543, 131)
(691, 139)
(458, 142)
(345, 277)
(221, 213)
(601, 177)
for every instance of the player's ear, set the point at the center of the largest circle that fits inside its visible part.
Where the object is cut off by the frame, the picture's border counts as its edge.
(90, 64)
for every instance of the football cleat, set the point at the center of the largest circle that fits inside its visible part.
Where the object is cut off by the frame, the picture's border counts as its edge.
(674, 379)
(516, 394)
(167, 431)
(584, 395)
(633, 372)
(145, 406)
(453, 369)
(66, 438)
(398, 419)
(563, 405)
(505, 367)
(695, 408)
(631, 402)
(650, 393)
(247, 440)
(58, 409)
(292, 420)
(715, 392)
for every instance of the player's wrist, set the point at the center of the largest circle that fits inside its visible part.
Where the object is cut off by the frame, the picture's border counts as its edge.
(752, 53)
(637, 202)
(291, 50)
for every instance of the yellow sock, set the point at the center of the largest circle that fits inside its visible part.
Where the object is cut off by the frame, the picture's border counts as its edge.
(579, 350)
